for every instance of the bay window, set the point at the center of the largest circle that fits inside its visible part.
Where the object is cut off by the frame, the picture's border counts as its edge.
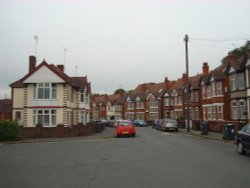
(44, 91)
(45, 117)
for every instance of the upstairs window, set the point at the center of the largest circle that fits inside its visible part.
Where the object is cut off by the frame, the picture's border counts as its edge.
(213, 89)
(82, 95)
(241, 80)
(209, 91)
(219, 88)
(166, 101)
(232, 83)
(44, 91)
(153, 103)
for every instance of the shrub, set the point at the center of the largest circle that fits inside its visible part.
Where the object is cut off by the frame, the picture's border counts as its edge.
(9, 130)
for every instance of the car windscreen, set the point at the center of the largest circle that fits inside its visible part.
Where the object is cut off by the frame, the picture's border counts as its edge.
(124, 123)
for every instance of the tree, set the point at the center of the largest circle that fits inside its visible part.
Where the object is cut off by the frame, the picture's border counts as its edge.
(238, 52)
(119, 91)
(95, 94)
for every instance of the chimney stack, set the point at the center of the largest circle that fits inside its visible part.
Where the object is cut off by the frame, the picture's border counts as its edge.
(205, 68)
(61, 67)
(32, 63)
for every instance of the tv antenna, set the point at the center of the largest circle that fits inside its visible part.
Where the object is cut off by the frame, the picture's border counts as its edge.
(65, 51)
(76, 67)
(36, 44)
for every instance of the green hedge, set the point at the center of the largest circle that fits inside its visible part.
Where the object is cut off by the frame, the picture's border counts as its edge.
(9, 130)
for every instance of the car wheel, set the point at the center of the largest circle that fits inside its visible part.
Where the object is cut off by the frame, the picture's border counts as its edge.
(117, 136)
(133, 135)
(241, 149)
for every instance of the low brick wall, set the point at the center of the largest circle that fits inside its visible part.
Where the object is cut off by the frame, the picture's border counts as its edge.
(57, 132)
(217, 126)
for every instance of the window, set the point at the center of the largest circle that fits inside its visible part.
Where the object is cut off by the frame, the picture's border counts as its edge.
(242, 109)
(204, 113)
(45, 117)
(87, 99)
(214, 112)
(82, 117)
(117, 108)
(204, 92)
(153, 103)
(82, 95)
(219, 88)
(18, 115)
(171, 102)
(241, 80)
(166, 100)
(139, 105)
(196, 113)
(153, 116)
(130, 105)
(220, 112)
(234, 109)
(209, 113)
(140, 116)
(196, 96)
(232, 83)
(213, 89)
(180, 100)
(209, 91)
(44, 91)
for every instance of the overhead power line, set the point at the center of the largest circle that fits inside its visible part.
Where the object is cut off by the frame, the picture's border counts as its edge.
(225, 39)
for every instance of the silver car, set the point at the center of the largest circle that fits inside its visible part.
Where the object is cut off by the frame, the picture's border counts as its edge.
(169, 125)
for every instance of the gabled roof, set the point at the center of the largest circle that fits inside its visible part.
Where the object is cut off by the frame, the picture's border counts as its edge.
(217, 75)
(76, 82)
(116, 99)
(195, 81)
(100, 100)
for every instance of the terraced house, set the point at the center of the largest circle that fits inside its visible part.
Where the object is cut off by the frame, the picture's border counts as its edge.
(48, 96)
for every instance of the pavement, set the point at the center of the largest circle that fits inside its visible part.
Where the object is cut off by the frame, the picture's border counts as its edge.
(109, 133)
(209, 135)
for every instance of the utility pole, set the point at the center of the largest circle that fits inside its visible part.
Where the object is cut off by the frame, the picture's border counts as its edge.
(187, 84)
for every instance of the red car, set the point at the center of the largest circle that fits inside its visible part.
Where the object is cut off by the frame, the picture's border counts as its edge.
(125, 128)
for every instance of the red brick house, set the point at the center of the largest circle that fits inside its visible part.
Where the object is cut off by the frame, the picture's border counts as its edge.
(99, 107)
(195, 99)
(238, 94)
(5, 109)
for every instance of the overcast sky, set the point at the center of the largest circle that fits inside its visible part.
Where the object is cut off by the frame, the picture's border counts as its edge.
(119, 43)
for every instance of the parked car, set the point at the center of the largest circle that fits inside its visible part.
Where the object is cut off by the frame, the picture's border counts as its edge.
(243, 139)
(117, 122)
(140, 123)
(158, 124)
(125, 128)
(169, 125)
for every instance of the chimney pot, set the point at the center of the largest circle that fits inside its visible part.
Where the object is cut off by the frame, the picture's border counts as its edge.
(61, 67)
(205, 68)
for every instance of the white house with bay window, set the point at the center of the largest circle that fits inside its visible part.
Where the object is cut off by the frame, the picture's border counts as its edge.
(47, 96)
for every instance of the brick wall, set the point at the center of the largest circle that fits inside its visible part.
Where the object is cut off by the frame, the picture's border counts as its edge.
(57, 132)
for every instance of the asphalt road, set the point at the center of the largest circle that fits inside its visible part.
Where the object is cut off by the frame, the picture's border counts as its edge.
(150, 160)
